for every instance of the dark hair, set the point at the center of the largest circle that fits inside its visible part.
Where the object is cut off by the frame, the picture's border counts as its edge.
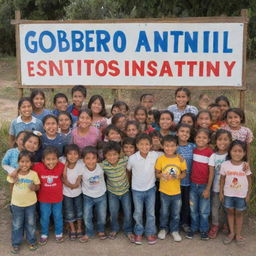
(213, 105)
(222, 98)
(25, 153)
(155, 113)
(219, 133)
(116, 117)
(132, 122)
(111, 145)
(71, 147)
(48, 117)
(166, 112)
(103, 112)
(204, 130)
(36, 92)
(143, 136)
(79, 88)
(50, 150)
(145, 95)
(18, 135)
(85, 110)
(237, 111)
(183, 89)
(193, 117)
(22, 100)
(202, 112)
(140, 108)
(66, 114)
(242, 144)
(59, 95)
(183, 125)
(155, 133)
(112, 127)
(118, 104)
(129, 141)
(170, 138)
(28, 135)
(88, 150)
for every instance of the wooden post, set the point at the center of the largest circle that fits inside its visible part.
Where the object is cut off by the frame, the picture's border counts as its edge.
(115, 94)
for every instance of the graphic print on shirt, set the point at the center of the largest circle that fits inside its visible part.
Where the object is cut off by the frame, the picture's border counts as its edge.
(94, 180)
(23, 183)
(50, 180)
(172, 170)
(235, 184)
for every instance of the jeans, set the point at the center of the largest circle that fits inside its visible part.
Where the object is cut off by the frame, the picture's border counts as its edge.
(23, 219)
(114, 202)
(199, 207)
(170, 212)
(73, 208)
(46, 209)
(218, 211)
(100, 204)
(139, 199)
(185, 208)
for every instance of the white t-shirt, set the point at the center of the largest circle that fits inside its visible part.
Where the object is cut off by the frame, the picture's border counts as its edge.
(216, 160)
(93, 183)
(143, 170)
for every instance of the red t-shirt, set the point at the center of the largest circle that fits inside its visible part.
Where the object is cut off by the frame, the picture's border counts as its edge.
(51, 190)
(200, 167)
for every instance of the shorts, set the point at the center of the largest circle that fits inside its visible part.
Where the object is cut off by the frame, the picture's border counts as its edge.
(235, 203)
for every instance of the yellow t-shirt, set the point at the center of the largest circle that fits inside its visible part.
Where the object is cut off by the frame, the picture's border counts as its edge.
(173, 166)
(22, 196)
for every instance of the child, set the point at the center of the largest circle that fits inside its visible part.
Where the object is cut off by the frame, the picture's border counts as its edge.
(118, 107)
(185, 149)
(204, 119)
(170, 169)
(10, 159)
(60, 102)
(51, 137)
(119, 120)
(223, 102)
(25, 121)
(114, 167)
(201, 181)
(147, 101)
(38, 99)
(141, 165)
(97, 106)
(141, 115)
(112, 133)
(204, 101)
(189, 119)
(85, 134)
(153, 118)
(72, 191)
(50, 194)
(216, 116)
(65, 123)
(166, 123)
(132, 128)
(235, 189)
(129, 146)
(23, 203)
(182, 98)
(156, 140)
(223, 139)
(94, 194)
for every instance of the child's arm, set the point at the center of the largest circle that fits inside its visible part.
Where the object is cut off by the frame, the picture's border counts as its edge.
(129, 175)
(222, 183)
(68, 184)
(249, 178)
(182, 174)
(11, 140)
(34, 187)
(160, 175)
(78, 182)
(207, 191)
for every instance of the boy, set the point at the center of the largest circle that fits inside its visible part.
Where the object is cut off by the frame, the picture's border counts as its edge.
(147, 101)
(170, 169)
(129, 146)
(215, 111)
(141, 165)
(118, 186)
(60, 102)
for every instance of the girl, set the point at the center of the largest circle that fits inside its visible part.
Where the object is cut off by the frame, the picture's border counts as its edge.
(10, 159)
(182, 98)
(97, 106)
(223, 139)
(189, 119)
(215, 111)
(51, 137)
(50, 194)
(141, 115)
(204, 119)
(153, 118)
(94, 194)
(38, 99)
(235, 189)
(119, 120)
(85, 134)
(129, 146)
(132, 128)
(185, 149)
(112, 133)
(201, 181)
(65, 125)
(25, 121)
(156, 140)
(166, 123)
(23, 203)
(223, 102)
(72, 191)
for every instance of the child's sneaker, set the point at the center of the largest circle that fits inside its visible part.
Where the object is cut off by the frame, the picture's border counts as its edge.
(204, 236)
(32, 247)
(43, 241)
(15, 250)
(59, 239)
(162, 234)
(138, 239)
(190, 234)
(176, 236)
(213, 231)
(185, 228)
(151, 239)
(225, 229)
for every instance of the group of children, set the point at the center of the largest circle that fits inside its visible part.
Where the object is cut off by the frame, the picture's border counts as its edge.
(174, 167)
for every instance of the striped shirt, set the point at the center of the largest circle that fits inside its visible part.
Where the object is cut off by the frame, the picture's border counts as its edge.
(117, 180)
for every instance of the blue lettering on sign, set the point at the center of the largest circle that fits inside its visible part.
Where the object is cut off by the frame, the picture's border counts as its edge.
(206, 41)
(176, 35)
(190, 42)
(225, 43)
(63, 42)
(143, 42)
(119, 36)
(103, 38)
(33, 43)
(52, 41)
(77, 40)
(160, 41)
(89, 40)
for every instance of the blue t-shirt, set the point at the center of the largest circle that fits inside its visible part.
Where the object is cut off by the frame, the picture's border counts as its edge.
(10, 160)
(187, 153)
(56, 112)
(43, 114)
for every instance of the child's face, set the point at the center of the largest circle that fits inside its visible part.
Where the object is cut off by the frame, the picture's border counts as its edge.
(51, 127)
(204, 120)
(148, 102)
(233, 120)
(144, 146)
(96, 107)
(72, 156)
(150, 119)
(90, 160)
(165, 121)
(123, 110)
(50, 160)
(132, 131)
(84, 120)
(112, 157)
(223, 106)
(141, 116)
(181, 99)
(121, 123)
(128, 149)
(61, 104)
(25, 163)
(64, 122)
(183, 134)
(237, 153)
(187, 120)
(78, 99)
(114, 136)
(170, 148)
(26, 109)
(216, 114)
(223, 142)
(32, 144)
(156, 140)
(202, 140)
(115, 110)
(38, 101)
(19, 140)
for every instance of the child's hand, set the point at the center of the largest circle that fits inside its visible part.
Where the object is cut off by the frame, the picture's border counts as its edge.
(65, 170)
(170, 177)
(32, 187)
(221, 196)
(164, 176)
(206, 194)
(14, 174)
(247, 199)
(246, 167)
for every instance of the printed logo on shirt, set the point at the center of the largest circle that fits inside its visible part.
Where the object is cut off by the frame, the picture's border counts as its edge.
(235, 184)
(23, 183)
(171, 169)
(50, 180)
(94, 180)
